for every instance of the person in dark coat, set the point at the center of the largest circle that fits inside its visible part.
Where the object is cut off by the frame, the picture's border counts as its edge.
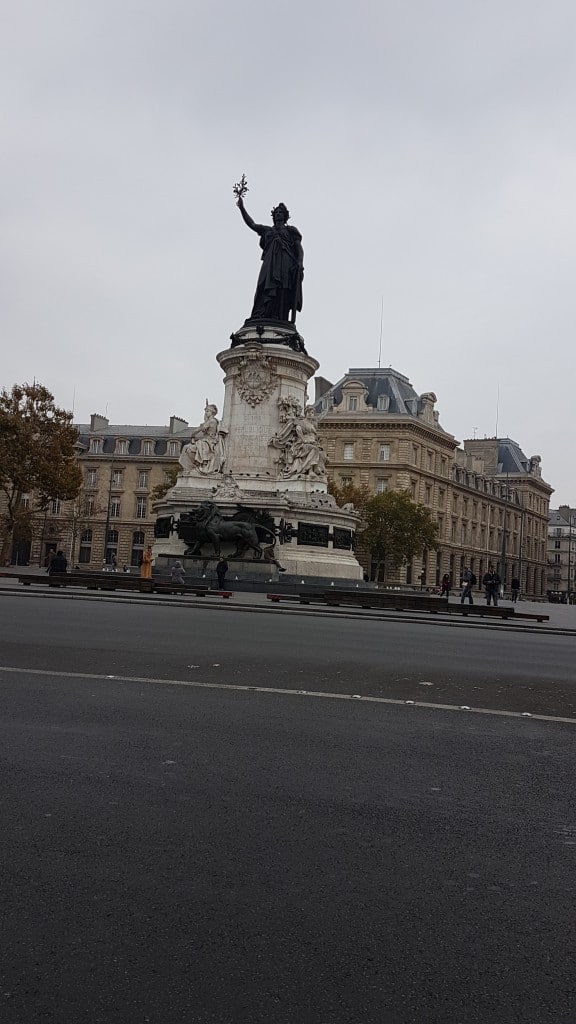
(59, 563)
(515, 587)
(446, 585)
(221, 570)
(491, 583)
(58, 566)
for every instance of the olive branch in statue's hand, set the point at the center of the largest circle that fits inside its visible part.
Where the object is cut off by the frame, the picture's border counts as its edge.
(241, 188)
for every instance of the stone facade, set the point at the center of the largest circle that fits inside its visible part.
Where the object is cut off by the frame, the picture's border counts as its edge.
(489, 499)
(562, 553)
(112, 518)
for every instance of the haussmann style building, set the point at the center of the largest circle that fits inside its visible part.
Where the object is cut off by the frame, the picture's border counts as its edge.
(490, 500)
(562, 554)
(112, 519)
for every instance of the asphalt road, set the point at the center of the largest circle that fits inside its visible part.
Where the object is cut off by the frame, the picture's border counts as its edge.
(174, 854)
(522, 671)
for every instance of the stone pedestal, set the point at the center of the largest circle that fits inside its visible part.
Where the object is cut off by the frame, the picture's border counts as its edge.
(272, 468)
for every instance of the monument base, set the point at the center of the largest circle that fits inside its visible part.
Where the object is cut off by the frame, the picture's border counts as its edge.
(311, 536)
(265, 467)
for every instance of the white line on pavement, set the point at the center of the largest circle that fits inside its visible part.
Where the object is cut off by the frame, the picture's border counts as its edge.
(288, 692)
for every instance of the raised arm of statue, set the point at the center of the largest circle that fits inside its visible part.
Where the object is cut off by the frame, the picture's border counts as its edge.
(258, 228)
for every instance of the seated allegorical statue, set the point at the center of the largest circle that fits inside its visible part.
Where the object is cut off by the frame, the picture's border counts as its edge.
(204, 453)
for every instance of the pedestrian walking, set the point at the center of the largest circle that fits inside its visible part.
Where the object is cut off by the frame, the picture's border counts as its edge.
(515, 587)
(221, 570)
(58, 564)
(177, 573)
(58, 567)
(446, 585)
(468, 581)
(491, 583)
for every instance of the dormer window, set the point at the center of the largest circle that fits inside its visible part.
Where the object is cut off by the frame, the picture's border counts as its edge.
(96, 446)
(383, 403)
(121, 446)
(147, 447)
(352, 403)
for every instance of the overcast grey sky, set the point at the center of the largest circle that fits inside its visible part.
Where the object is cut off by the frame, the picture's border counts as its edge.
(425, 148)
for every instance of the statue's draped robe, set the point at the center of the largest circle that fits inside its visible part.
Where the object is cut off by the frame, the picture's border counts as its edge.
(279, 288)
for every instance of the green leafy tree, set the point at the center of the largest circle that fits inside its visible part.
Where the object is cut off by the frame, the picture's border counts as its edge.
(171, 473)
(348, 494)
(394, 529)
(37, 456)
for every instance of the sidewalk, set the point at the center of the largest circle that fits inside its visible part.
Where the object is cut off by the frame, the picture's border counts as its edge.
(561, 616)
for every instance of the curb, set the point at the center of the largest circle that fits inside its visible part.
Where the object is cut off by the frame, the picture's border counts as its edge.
(364, 614)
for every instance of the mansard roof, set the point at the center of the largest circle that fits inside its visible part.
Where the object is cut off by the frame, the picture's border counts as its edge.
(511, 458)
(403, 400)
(133, 433)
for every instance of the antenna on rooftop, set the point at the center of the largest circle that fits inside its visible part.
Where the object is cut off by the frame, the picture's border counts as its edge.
(497, 408)
(381, 324)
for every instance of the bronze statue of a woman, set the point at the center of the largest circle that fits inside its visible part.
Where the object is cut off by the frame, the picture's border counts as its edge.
(279, 288)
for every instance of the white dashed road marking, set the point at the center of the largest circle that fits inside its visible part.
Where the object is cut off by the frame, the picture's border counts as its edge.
(285, 691)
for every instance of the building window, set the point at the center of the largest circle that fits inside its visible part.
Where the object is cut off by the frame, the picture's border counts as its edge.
(557, 543)
(352, 403)
(89, 506)
(122, 447)
(55, 506)
(96, 446)
(381, 486)
(384, 453)
(147, 447)
(557, 558)
(346, 481)
(140, 508)
(115, 508)
(91, 478)
(143, 478)
(441, 495)
(174, 448)
(111, 547)
(427, 494)
(348, 452)
(117, 478)
(383, 403)
(415, 454)
(25, 501)
(85, 546)
(137, 547)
